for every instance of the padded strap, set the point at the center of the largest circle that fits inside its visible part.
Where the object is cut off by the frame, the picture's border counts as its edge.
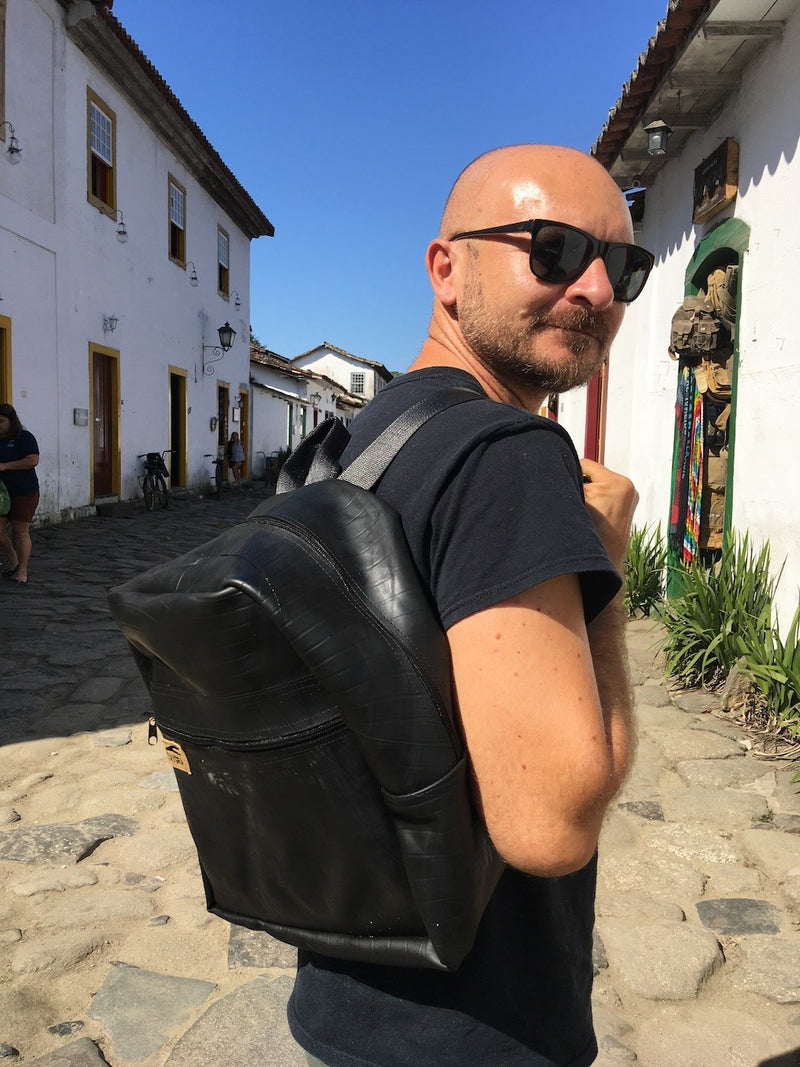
(316, 458)
(373, 461)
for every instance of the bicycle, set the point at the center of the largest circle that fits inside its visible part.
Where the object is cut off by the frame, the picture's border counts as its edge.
(218, 465)
(154, 485)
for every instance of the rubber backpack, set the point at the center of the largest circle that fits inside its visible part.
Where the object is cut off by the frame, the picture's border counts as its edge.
(301, 682)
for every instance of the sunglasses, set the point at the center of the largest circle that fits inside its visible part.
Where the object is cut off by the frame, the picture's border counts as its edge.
(561, 253)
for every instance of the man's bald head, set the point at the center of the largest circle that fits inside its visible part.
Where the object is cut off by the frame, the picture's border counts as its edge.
(512, 177)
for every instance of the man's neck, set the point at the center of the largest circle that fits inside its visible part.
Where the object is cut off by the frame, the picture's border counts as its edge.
(437, 352)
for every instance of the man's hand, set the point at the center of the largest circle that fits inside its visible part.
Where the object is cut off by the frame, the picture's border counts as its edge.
(611, 500)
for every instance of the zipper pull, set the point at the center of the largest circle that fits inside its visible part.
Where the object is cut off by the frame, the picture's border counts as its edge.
(152, 732)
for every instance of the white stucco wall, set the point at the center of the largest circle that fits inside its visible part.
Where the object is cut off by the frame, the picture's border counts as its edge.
(763, 118)
(339, 368)
(68, 271)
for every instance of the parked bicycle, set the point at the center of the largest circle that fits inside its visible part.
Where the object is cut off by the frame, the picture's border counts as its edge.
(218, 467)
(154, 485)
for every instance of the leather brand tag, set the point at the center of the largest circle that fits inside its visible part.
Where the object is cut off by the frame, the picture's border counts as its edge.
(176, 756)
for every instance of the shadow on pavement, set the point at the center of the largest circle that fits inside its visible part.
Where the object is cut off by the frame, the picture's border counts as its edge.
(64, 666)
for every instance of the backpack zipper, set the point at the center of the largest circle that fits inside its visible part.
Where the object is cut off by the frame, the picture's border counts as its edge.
(323, 732)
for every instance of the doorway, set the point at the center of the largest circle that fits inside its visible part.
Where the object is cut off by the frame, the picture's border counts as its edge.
(244, 428)
(595, 431)
(701, 500)
(5, 360)
(104, 420)
(177, 426)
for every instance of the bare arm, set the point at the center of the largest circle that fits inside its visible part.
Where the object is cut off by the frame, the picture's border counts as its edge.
(23, 464)
(545, 707)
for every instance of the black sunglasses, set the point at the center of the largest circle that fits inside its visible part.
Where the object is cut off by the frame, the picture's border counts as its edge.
(561, 253)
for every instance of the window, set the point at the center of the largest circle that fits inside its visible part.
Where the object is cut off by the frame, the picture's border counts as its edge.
(356, 381)
(101, 137)
(223, 262)
(177, 222)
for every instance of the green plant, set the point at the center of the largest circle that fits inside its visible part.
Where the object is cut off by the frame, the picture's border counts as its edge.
(774, 666)
(645, 570)
(720, 602)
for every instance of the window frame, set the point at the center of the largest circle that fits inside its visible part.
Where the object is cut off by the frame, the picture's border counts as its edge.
(109, 206)
(180, 260)
(358, 374)
(224, 290)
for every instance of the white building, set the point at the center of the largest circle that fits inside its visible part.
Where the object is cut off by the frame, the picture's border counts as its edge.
(361, 377)
(725, 78)
(102, 342)
(288, 402)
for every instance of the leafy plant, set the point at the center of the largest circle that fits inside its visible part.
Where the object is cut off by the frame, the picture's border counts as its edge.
(720, 602)
(774, 666)
(645, 570)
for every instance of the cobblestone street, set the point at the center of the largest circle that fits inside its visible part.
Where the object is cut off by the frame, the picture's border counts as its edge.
(108, 956)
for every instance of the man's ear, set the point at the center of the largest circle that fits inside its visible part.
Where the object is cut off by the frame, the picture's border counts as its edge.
(439, 264)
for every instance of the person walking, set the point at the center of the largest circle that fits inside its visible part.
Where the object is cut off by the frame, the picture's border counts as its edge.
(521, 545)
(19, 457)
(236, 458)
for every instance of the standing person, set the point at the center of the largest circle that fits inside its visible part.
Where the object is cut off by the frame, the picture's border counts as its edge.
(236, 457)
(531, 272)
(19, 456)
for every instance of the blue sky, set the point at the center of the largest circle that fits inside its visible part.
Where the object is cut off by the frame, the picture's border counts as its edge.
(347, 121)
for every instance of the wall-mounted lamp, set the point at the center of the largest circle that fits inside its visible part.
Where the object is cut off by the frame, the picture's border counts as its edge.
(122, 230)
(237, 302)
(109, 323)
(13, 149)
(658, 134)
(227, 335)
(315, 398)
(193, 275)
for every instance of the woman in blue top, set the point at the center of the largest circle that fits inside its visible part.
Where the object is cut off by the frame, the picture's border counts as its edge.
(19, 455)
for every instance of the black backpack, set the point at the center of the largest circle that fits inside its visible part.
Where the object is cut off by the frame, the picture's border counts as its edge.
(301, 682)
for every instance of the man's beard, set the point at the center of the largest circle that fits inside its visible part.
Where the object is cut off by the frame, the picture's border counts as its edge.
(516, 355)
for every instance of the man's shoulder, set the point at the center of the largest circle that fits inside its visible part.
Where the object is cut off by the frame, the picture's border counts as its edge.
(464, 425)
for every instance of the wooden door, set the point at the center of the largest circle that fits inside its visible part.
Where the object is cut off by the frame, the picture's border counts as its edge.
(103, 368)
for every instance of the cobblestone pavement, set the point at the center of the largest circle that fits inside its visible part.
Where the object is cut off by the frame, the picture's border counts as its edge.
(108, 956)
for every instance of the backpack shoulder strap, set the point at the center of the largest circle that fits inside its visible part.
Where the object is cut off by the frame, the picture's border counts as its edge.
(373, 461)
(316, 458)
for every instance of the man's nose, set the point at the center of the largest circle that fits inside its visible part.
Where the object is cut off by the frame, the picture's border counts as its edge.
(593, 288)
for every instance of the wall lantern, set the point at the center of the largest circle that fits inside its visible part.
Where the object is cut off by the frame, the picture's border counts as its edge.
(122, 230)
(315, 398)
(658, 134)
(227, 335)
(109, 323)
(13, 149)
(193, 275)
(237, 302)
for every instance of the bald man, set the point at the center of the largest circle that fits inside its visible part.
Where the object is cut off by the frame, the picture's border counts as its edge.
(521, 544)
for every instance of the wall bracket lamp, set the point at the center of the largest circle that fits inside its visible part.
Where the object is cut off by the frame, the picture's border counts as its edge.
(658, 134)
(193, 276)
(227, 335)
(109, 323)
(13, 148)
(122, 229)
(237, 302)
